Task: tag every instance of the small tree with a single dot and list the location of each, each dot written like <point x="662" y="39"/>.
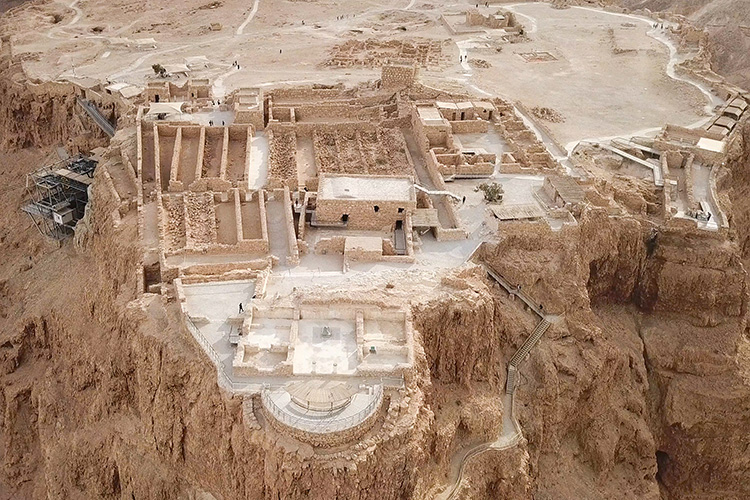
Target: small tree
<point x="493" y="191"/>
<point x="159" y="70"/>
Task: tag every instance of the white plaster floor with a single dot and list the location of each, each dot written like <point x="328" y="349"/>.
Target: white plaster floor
<point x="205" y="117"/>
<point x="218" y="302"/>
<point x="258" y="161"/>
<point x="314" y="353"/>
<point x="491" y="141"/>
<point x="265" y="332"/>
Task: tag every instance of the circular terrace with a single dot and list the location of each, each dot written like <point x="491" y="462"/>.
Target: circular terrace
<point x="319" y="408"/>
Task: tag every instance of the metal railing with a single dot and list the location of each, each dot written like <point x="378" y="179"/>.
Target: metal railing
<point x="515" y="290"/>
<point x="224" y="380"/>
<point x="93" y="111"/>
<point x="322" y="425"/>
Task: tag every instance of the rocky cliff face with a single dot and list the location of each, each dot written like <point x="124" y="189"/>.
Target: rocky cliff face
<point x="34" y="115"/>
<point x="646" y="384"/>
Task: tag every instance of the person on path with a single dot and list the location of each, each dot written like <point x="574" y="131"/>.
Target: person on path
<point x="242" y="310"/>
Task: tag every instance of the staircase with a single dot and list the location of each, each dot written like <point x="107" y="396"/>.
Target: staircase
<point x="530" y="342"/>
<point x="510" y="383"/>
<point x="96" y="115"/>
<point x="533" y="339"/>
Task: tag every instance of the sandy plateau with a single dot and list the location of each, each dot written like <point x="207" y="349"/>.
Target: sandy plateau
<point x="380" y="249"/>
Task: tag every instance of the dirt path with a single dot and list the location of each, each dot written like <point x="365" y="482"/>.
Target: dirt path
<point x="657" y="34"/>
<point x="250" y="17"/>
<point x="277" y="238"/>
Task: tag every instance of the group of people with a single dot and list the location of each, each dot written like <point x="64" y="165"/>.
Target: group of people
<point x="236" y="64"/>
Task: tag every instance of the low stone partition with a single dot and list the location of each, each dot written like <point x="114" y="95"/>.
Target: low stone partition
<point x="384" y="253"/>
<point x="476" y="126"/>
<point x="689" y="187"/>
<point x="243" y="368"/>
<point x="479" y="169"/>
<point x="188" y="224"/>
<point x="432" y="166"/>
<point x="289" y="220"/>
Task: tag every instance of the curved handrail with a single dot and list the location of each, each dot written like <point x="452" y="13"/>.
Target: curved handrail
<point x="322" y="425"/>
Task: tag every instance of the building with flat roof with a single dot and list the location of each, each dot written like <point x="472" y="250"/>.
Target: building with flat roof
<point x="364" y="202"/>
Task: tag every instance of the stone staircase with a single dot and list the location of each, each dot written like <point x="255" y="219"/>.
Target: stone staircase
<point x="522" y="352"/>
<point x="510" y="383"/>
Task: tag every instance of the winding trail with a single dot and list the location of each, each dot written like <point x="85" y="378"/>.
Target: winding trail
<point x="218" y="89"/>
<point x="55" y="29"/>
<point x="250" y="17"/>
<point x="563" y="155"/>
<point x="533" y="26"/>
<point x="661" y="36"/>
<point x="79" y="13"/>
<point x="511" y="433"/>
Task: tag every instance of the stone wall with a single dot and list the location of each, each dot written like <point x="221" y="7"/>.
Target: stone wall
<point x="329" y="439"/>
<point x="282" y="161"/>
<point x="397" y="76"/>
<point x="362" y="214"/>
<point x="469" y="126"/>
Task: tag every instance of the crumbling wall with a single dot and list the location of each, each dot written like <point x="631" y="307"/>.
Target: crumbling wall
<point x="397" y="77"/>
<point x="361" y="150"/>
<point x="282" y="161"/>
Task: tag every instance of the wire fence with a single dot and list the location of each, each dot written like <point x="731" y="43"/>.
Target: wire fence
<point x="322" y="424"/>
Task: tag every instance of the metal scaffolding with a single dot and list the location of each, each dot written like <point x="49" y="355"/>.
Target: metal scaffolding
<point x="58" y="194"/>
